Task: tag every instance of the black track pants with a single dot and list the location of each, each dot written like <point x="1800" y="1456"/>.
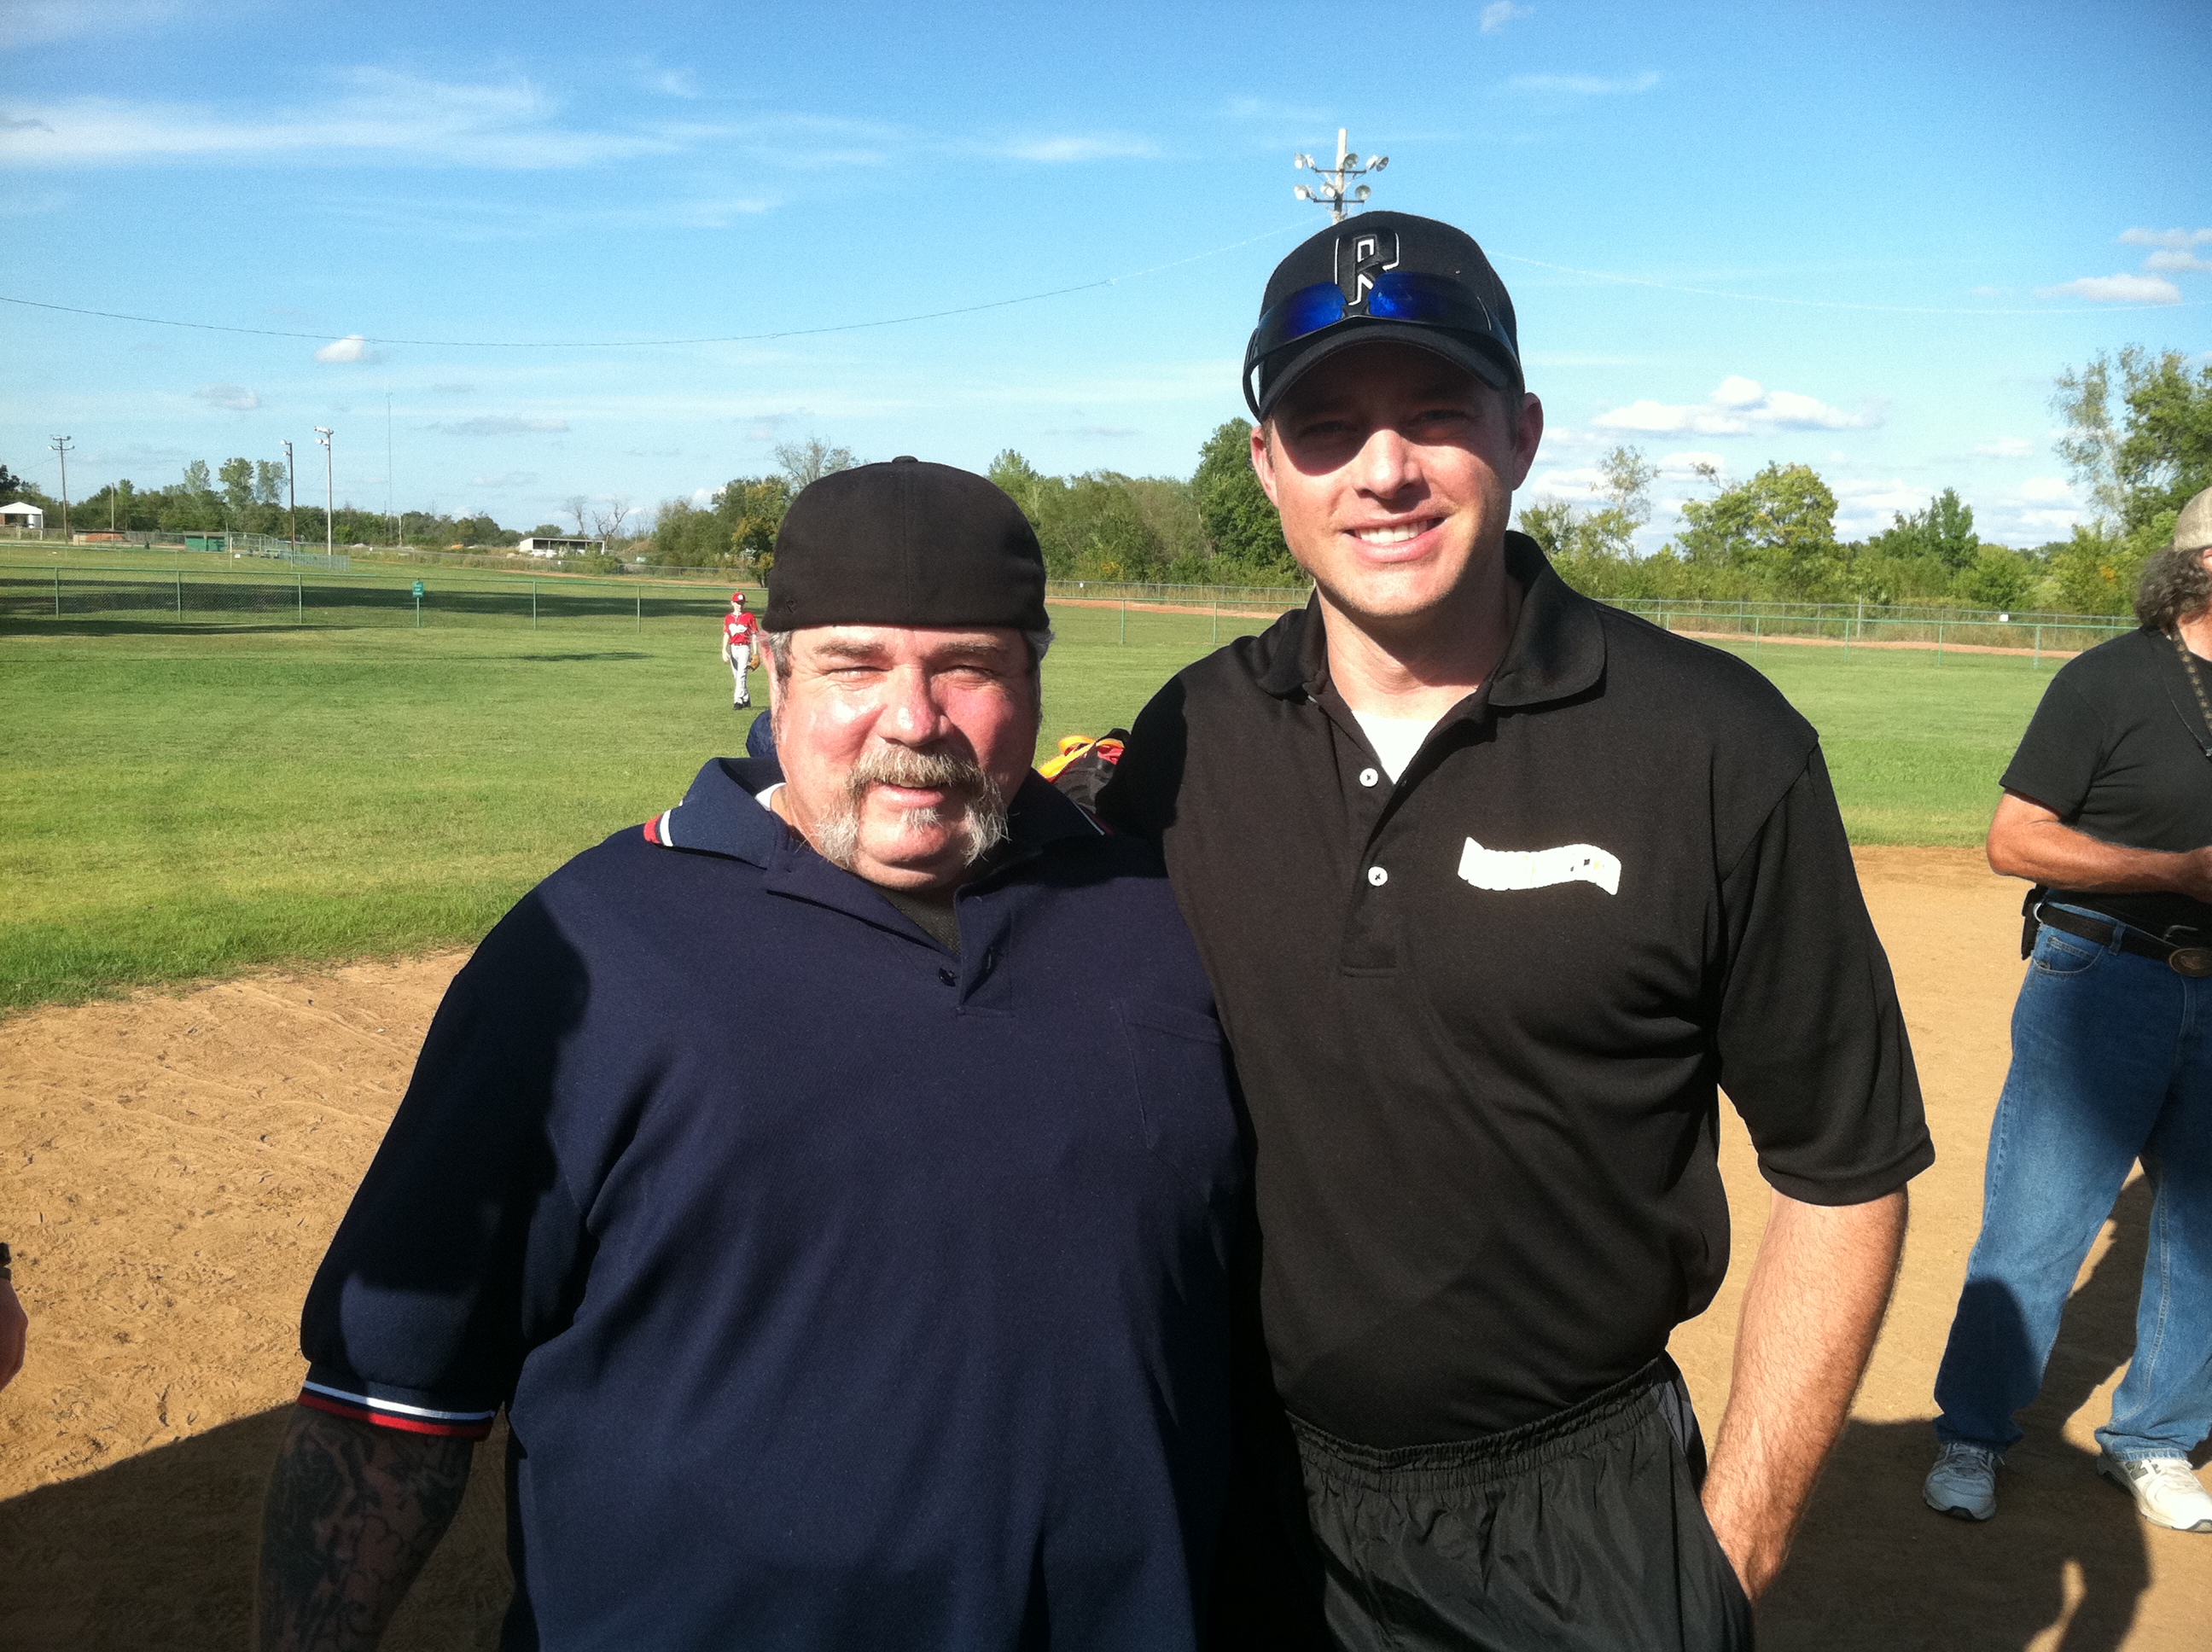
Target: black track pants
<point x="1581" y="1532"/>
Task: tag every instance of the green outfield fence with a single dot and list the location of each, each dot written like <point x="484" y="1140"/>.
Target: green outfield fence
<point x="287" y="595"/>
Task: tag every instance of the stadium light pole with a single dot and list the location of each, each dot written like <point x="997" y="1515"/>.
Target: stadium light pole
<point x="61" y="445"/>
<point x="389" y="493"/>
<point x="1332" y="193"/>
<point x="291" y="498"/>
<point x="323" y="434"/>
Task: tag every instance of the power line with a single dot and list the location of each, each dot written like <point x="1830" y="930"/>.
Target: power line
<point x="1837" y="304"/>
<point x="656" y="343"/>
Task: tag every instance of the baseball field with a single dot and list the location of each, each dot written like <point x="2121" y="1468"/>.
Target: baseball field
<point x="243" y="859"/>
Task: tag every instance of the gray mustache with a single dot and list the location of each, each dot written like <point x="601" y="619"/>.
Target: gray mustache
<point x="902" y="766"/>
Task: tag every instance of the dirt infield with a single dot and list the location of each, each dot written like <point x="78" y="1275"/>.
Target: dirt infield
<point x="171" y="1168"/>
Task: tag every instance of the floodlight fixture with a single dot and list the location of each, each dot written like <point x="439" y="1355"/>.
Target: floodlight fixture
<point x="1337" y="193"/>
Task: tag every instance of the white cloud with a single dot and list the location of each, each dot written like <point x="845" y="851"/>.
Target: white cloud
<point x="236" y="398"/>
<point x="377" y="114"/>
<point x="2044" y="490"/>
<point x="2174" y="262"/>
<point x="2005" y="447"/>
<point x="1499" y="13"/>
<point x="25" y="22"/>
<point x="497" y="426"/>
<point x="1737" y="407"/>
<point x="1585" y="86"/>
<point x="2172" y="238"/>
<point x="1682" y="466"/>
<point x="2115" y="289"/>
<point x="1269" y="109"/>
<point x="702" y="499"/>
<point x="454" y="389"/>
<point x="674" y="83"/>
<point x="1096" y="146"/>
<point x="1583" y="479"/>
<point x="1868" y="499"/>
<point x="352" y="348"/>
<point x="504" y="479"/>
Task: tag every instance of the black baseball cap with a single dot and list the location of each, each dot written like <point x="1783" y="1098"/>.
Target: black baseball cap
<point x="905" y="543"/>
<point x="1375" y="278"/>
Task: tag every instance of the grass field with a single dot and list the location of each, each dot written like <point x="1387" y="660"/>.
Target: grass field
<point x="181" y="803"/>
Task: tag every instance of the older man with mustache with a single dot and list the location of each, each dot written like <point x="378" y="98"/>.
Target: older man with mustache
<point x="910" y="1331"/>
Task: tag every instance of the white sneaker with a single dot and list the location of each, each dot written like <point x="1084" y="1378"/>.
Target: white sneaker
<point x="1963" y="1483"/>
<point x="2166" y="1491"/>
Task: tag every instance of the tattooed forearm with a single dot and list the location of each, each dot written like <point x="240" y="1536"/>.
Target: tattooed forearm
<point x="353" y="1512"/>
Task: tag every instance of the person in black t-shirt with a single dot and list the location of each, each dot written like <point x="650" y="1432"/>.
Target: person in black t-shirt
<point x="2107" y="807"/>
<point x="1496" y="886"/>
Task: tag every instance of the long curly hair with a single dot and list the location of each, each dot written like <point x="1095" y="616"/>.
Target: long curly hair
<point x="2175" y="587"/>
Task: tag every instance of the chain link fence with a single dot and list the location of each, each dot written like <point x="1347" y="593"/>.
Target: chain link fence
<point x="283" y="595"/>
<point x="1868" y="625"/>
<point x="139" y="598"/>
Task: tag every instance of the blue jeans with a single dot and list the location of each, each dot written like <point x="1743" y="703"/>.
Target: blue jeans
<point x="2111" y="1061"/>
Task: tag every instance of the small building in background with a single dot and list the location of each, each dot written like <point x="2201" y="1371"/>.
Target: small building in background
<point x="537" y="546"/>
<point x="23" y="514"/>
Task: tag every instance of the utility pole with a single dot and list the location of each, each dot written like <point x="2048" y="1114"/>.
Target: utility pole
<point x="388" y="490"/>
<point x="291" y="498"/>
<point x="62" y="445"/>
<point x="323" y="434"/>
<point x="1331" y="194"/>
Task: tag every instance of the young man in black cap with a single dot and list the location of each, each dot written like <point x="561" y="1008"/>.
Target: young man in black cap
<point x="910" y="1334"/>
<point x="1496" y="885"/>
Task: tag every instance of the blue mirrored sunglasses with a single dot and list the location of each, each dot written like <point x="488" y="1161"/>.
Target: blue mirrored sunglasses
<point x="1396" y="295"/>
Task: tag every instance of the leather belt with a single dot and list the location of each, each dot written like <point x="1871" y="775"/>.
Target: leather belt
<point x="2182" y="960"/>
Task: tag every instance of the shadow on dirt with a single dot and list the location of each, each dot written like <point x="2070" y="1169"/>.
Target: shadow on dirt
<point x="1874" y="1568"/>
<point x="157" y="1553"/>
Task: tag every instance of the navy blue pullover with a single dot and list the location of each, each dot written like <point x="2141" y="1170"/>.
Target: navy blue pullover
<point x="841" y="1292"/>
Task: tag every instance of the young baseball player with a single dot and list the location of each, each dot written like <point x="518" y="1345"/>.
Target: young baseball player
<point x="741" y="637"/>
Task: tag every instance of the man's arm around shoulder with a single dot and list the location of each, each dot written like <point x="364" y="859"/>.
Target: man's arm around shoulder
<point x="353" y="1512"/>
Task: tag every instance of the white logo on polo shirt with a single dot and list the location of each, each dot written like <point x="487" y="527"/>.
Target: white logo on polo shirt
<point x="1511" y="869"/>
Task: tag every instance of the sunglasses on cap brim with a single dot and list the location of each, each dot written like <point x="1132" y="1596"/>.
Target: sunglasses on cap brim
<point x="1397" y="296"/>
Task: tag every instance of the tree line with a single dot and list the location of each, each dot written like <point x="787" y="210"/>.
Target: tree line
<point x="2137" y="434"/>
<point x="1214" y="528"/>
<point x="244" y="496"/>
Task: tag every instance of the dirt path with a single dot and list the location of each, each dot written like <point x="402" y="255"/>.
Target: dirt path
<point x="171" y="1167"/>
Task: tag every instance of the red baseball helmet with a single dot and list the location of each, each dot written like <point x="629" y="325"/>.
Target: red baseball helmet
<point x="739" y="598"/>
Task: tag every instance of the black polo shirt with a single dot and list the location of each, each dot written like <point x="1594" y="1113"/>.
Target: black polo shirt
<point x="2119" y="749"/>
<point x="1480" y="1014"/>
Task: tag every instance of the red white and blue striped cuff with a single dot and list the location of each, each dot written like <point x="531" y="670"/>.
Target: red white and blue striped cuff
<point x="393" y="1413"/>
<point x="656" y="829"/>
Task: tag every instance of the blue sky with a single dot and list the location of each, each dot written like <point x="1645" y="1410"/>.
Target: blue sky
<point x="1861" y="236"/>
